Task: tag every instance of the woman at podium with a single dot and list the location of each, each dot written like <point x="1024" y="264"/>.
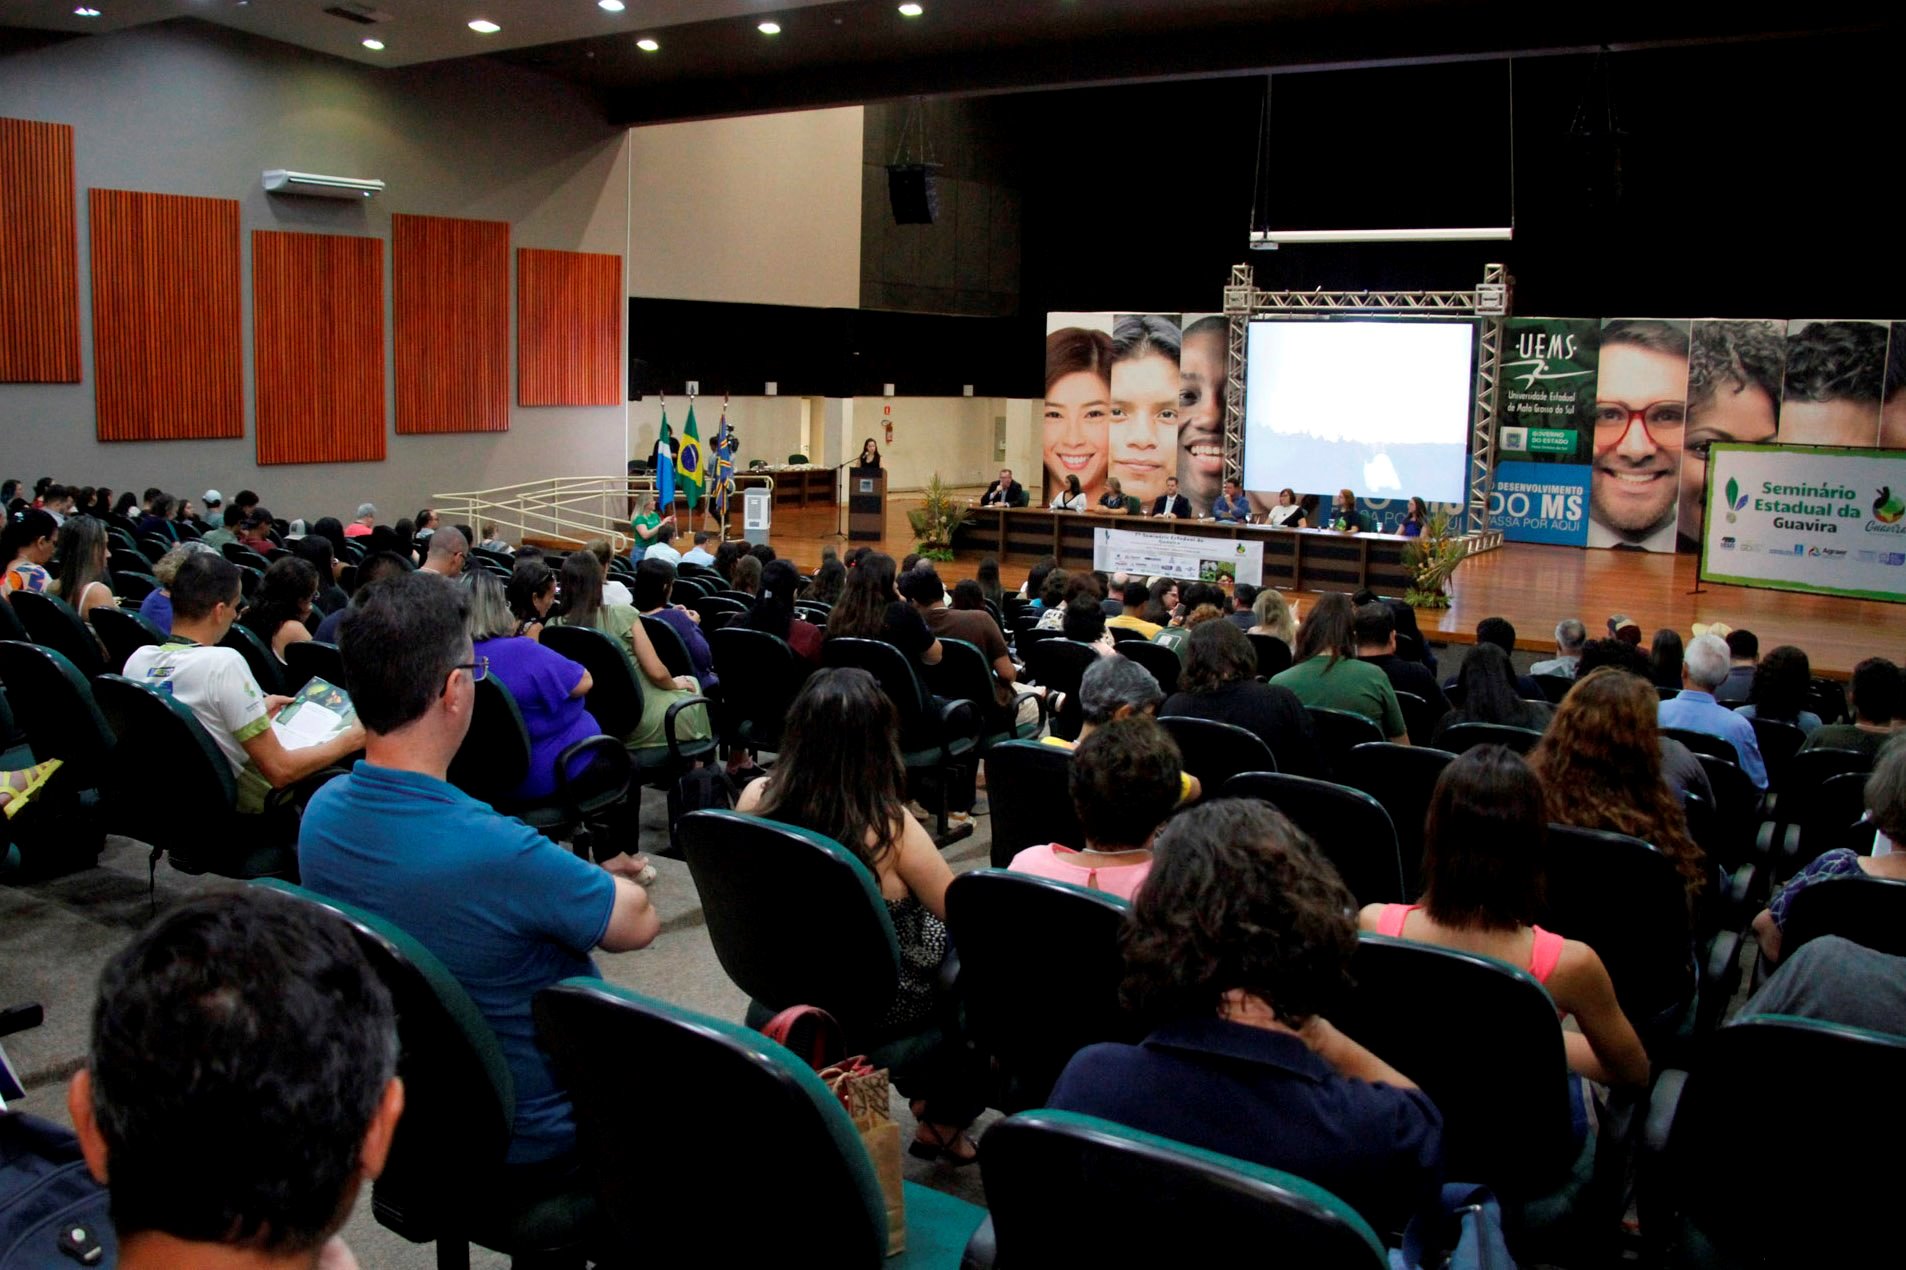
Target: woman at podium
<point x="869" y="457"/>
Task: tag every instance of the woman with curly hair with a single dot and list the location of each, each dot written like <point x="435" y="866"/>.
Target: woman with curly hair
<point x="1220" y="683"/>
<point x="1600" y="763"/>
<point x="1240" y="935"/>
<point x="1780" y="689"/>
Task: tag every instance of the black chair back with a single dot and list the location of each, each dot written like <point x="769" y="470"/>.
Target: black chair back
<point x="53" y="704"/>
<point x="10" y="626"/>
<point x="760" y="677"/>
<point x="1705" y="743"/>
<point x="963" y="674"/>
<point x="921" y="728"/>
<point x="669" y="646"/>
<point x="795" y="919"/>
<point x="1003" y="923"/>
<point x="1349" y="826"/>
<point x="51" y="623"/>
<point x="1554" y="687"/>
<point x="154" y="548"/>
<point x="1340" y="731"/>
<point x="1273" y="654"/>
<point x="133" y="587"/>
<point x="1503" y="1088"/>
<point x="1811" y="768"/>
<point x="1214" y="752"/>
<point x="259" y="659"/>
<point x="1458" y="737"/>
<point x="1828" y="816"/>
<point x="1027" y="791"/>
<point x="1736" y="811"/>
<point x="1126" y="635"/>
<point x="1060" y="664"/>
<point x="1419" y="718"/>
<point x="1827" y="698"/>
<point x="744" y="598"/>
<point x="313" y="659"/>
<point x="713" y="607"/>
<point x="615" y="695"/>
<point x="494" y="756"/>
<point x="1165" y="665"/>
<point x="1626" y="900"/>
<point x="1867" y="910"/>
<point x="1779" y="742"/>
<point x="239" y="554"/>
<point x="1403" y="778"/>
<point x="1218" y="1205"/>
<point x="124" y="632"/>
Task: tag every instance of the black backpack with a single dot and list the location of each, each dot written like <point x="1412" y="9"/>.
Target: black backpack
<point x="701" y="789"/>
<point x="53" y="1215"/>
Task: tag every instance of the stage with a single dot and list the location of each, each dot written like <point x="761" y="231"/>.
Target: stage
<point x="1533" y="586"/>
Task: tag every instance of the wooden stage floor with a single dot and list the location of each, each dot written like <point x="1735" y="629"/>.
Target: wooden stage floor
<point x="1534" y="587"/>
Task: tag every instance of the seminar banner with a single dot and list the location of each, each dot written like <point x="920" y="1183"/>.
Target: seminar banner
<point x="1182" y="556"/>
<point x="1827" y="520"/>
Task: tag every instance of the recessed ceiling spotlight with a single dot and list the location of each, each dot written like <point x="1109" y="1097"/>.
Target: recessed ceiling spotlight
<point x="648" y="45"/>
<point x="769" y="28"/>
<point x="912" y="10"/>
<point x="483" y="26"/>
<point x="613" y="6"/>
<point x="86" y="11"/>
<point x="375" y="46"/>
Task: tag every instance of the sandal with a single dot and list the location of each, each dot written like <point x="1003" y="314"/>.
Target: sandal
<point x="21" y="785"/>
<point x="943" y="1147"/>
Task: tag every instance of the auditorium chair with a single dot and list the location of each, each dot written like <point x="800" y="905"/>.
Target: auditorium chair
<point x="668" y="645"/>
<point x="1273" y="654"/>
<point x="716" y="611"/>
<point x="1728" y="1179"/>
<point x="154" y="548"/>
<point x="1026" y="637"/>
<point x="1805" y="772"/>
<point x="964" y="674"/>
<point x="1811" y="821"/>
<point x="51" y="623"/>
<point x="936" y="736"/>
<point x="1126" y="635"/>
<point x="133" y="586"/>
<point x="760" y="677"/>
<point x="1004" y="925"/>
<point x="1705" y="743"/>
<point x="124" y="632"/>
<point x="1349" y="826"/>
<point x="264" y="665"/>
<point x="797" y="919"/>
<point x="1403" y="778"/>
<point x="121" y="540"/>
<point x="53" y="705"/>
<point x="1554" y="687"/>
<point x="1459" y="738"/>
<point x="1340" y="731"/>
<point x="690" y="587"/>
<point x="797" y="458"/>
<point x="1482" y="1039"/>
<point x="312" y="659"/>
<point x="1060" y="665"/>
<point x="1155" y="1202"/>
<point x="799" y="1189"/>
<point x="494" y="757"/>
<point x="10" y="625"/>
<point x="743" y="598"/>
<point x="240" y="554"/>
<point x="1869" y="911"/>
<point x="446" y="1180"/>
<point x="1419" y="719"/>
<point x="1827" y="698"/>
<point x="1214" y="752"/>
<point x="615" y="701"/>
<point x="1026" y="787"/>
<point x="1626" y="900"/>
<point x="813" y="611"/>
<point x="1164" y="664"/>
<point x="1778" y="742"/>
<point x="1730" y="842"/>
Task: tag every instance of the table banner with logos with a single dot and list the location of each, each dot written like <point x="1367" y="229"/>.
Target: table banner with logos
<point x="1823" y="519"/>
<point x="1187" y="557"/>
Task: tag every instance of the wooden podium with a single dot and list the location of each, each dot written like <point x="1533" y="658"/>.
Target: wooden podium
<point x="866" y="504"/>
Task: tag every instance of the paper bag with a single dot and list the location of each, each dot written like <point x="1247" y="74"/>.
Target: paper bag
<point x="862" y="1090"/>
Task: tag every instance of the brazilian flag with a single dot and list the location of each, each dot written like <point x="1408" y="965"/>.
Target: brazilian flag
<point x="688" y="463"/>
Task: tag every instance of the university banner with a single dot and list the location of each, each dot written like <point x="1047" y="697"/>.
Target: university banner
<point x="1545" y="430"/>
<point x="1830" y="520"/>
<point x="1182" y="556"/>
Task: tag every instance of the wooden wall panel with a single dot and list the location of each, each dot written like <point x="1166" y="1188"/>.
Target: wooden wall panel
<point x="39" y="255"/>
<point x="451" y="307"/>
<point x="569" y="308"/>
<point x="318" y="347"/>
<point x="167" y="358"/>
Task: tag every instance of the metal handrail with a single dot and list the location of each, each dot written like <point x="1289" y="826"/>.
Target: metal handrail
<point x="567" y="509"/>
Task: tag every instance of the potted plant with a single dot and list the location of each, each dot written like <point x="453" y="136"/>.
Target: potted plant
<point x="935" y="520"/>
<point x="1432" y="558"/>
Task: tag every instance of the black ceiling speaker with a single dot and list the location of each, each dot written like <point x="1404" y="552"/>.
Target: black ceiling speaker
<point x="914" y="191"/>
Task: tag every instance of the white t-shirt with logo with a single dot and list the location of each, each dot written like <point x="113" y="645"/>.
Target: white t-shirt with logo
<point x="217" y="686"/>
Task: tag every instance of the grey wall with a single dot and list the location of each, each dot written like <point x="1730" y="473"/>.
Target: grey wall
<point x="187" y="108"/>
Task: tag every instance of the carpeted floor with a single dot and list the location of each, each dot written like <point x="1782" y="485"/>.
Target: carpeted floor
<point x="55" y="936"/>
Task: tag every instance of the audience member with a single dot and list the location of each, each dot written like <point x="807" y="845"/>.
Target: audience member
<point x="1625" y="628"/>
<point x="1501" y="632"/>
<point x="493" y="541"/>
<point x="829" y="581"/>
<point x="240" y="1085"/>
<point x="871" y="608"/>
<point x="29" y="542"/>
<point x="966" y="597"/>
<point x="1665" y="659"/>
<point x="1376" y="644"/>
<point x="1275" y="616"/>
<point x="1743" y="652"/>
<point x="1327" y="673"/>
<point x="747" y="575"/>
<point x="773" y="611"/>
<point x="157" y="606"/>
<point x="426" y="524"/>
<point x="654" y="596"/>
<point x="530" y="594"/>
<point x="1679" y="767"/>
<point x="317" y="551"/>
<point x="922" y="588"/>
<point x="83" y="581"/>
<point x="1060" y="589"/>
<point x="158" y="521"/>
<point x="1570" y="635"/>
<point x="583" y="606"/>
<point x="1875" y="697"/>
<point x="1486" y="693"/>
<point x="1243" y="614"/>
<point x="448" y="553"/>
<point x="1034" y="588"/>
<point x="1696" y="709"/>
<point x="506" y="910"/>
<point x="217" y="687"/>
<point x="374" y="569"/>
<point x="1780" y="690"/>
<point x="839" y="773"/>
<point x="1131" y="615"/>
<point x="1835" y="980"/>
<point x="277" y="613"/>
<point x="255" y="532"/>
<point x="1124" y="781"/>
<point x="1084" y="622"/>
<point x="698" y="554"/>
<point x="1600" y="764"/>
<point x="361" y="526"/>
<point x="1193" y="596"/>
<point x="1219" y="682"/>
<point x="726" y="555"/>
<point x="1482" y="881"/>
<point x="1240" y="935"/>
<point x="1886" y="812"/>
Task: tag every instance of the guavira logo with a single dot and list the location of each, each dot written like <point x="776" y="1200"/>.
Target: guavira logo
<point x="1888" y="507"/>
<point x="1735" y="499"/>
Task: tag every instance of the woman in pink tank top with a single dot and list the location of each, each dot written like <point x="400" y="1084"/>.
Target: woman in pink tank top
<point x="1481" y="879"/>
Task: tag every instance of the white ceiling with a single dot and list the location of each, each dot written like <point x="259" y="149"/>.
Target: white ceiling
<point x="418" y="30"/>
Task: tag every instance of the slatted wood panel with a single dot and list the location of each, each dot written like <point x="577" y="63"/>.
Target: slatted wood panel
<point x="318" y="347"/>
<point x="167" y="358"/>
<point x="39" y="255"/>
<point x="451" y="304"/>
<point x="569" y="307"/>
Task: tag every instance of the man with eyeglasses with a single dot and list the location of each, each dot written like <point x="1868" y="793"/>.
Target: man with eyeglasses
<point x="449" y="553"/>
<point x="1640" y="423"/>
<point x="506" y="910"/>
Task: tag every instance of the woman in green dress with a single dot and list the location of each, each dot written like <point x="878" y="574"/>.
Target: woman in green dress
<point x="649" y="526"/>
<point x="583" y="606"/>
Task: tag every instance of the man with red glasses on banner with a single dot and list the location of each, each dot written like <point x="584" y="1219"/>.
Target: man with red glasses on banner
<point x="1641" y="414"/>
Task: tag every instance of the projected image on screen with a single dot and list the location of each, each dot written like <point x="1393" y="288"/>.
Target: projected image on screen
<point x="1379" y="408"/>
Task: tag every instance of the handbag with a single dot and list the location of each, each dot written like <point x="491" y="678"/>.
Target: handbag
<point x="862" y="1090"/>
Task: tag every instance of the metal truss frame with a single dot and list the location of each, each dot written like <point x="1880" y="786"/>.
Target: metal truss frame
<point x="1488" y="301"/>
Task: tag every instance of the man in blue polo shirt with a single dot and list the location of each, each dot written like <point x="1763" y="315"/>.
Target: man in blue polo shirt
<point x="1695" y="709"/>
<point x="506" y="910"/>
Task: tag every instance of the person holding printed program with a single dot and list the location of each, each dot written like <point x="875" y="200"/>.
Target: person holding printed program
<point x="1070" y="497"/>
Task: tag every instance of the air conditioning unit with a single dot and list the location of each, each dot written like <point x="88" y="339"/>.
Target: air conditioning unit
<point x="313" y="185"/>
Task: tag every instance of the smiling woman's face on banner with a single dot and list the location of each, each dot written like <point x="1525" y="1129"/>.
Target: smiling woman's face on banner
<point x="1078" y="411"/>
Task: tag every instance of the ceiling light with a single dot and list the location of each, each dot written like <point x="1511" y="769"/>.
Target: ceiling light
<point x="613" y="6"/>
<point x="769" y="28"/>
<point x="912" y="10"/>
<point x="375" y="46"/>
<point x="648" y="45"/>
<point x="483" y="26"/>
<point x="86" y="11"/>
<point x="1270" y="239"/>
